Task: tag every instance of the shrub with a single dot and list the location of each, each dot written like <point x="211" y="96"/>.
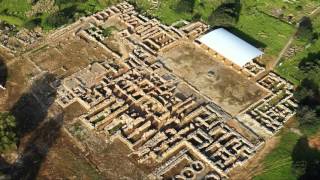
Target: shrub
<point x="8" y="136"/>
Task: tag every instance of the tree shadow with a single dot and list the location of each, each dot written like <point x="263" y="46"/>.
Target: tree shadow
<point x="3" y="73"/>
<point x="306" y="159"/>
<point x="33" y="105"/>
<point x="29" y="162"/>
<point x="185" y="6"/>
<point x="38" y="124"/>
<point x="226" y="15"/>
<point x="4" y="166"/>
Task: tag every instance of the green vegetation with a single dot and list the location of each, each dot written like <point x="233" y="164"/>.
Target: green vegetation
<point x="263" y="31"/>
<point x="171" y="11"/>
<point x="305" y="160"/>
<point x="227" y="14"/>
<point x="303" y="69"/>
<point x="308" y="113"/>
<point x="292" y="159"/>
<point x="291" y="68"/>
<point x="185" y="6"/>
<point x="305" y="30"/>
<point x="106" y="32"/>
<point x="115" y="128"/>
<point x="253" y="24"/>
<point x="283" y="9"/>
<point x="98" y="119"/>
<point x="15" y="12"/>
<point x="8" y="136"/>
<point x="277" y="164"/>
<point x="69" y="11"/>
<point x="78" y="131"/>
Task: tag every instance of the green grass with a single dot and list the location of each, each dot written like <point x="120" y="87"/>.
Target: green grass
<point x="12" y="20"/>
<point x="167" y="14"/>
<point x="277" y="164"/>
<point x="14" y="11"/>
<point x="254" y="26"/>
<point x="295" y="8"/>
<point x="265" y="29"/>
<point x="288" y="68"/>
<point x="311" y="130"/>
<point x="15" y="7"/>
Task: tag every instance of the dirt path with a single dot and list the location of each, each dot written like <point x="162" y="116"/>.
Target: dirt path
<point x="283" y="51"/>
<point x="287" y="46"/>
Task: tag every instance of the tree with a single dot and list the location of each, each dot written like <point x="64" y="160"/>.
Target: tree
<point x="305" y="30"/>
<point x="226" y="15"/>
<point x="299" y="168"/>
<point x="307" y="116"/>
<point x="8" y="136"/>
<point x="307" y="95"/>
<point x="311" y="63"/>
<point x="305" y="159"/>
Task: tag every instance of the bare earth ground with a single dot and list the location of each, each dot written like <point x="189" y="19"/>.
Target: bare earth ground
<point x="61" y="156"/>
<point x="243" y="131"/>
<point x="64" y="161"/>
<point x="110" y="159"/>
<point x="73" y="54"/>
<point x="227" y="88"/>
<point x="20" y="72"/>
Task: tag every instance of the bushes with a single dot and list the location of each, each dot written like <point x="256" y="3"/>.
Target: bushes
<point x="31" y="24"/>
<point x="308" y="113"/>
<point x="61" y="17"/>
<point x="8" y="136"/>
<point x="305" y="30"/>
<point x="108" y="31"/>
<point x="305" y="160"/>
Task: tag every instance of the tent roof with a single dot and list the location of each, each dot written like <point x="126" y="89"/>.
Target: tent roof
<point x="230" y="46"/>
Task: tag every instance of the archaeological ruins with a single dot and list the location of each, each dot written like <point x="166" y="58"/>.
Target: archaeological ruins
<point x="170" y="123"/>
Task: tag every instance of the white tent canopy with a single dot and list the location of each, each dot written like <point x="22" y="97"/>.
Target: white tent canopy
<point x="230" y="46"/>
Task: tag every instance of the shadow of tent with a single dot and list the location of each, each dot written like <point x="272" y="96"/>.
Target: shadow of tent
<point x="246" y="37"/>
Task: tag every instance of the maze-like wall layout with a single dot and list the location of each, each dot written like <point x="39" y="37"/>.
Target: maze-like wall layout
<point x="166" y="123"/>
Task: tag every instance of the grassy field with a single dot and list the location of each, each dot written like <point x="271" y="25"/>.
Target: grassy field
<point x="270" y="32"/>
<point x="288" y="68"/>
<point x="15" y="12"/>
<point x="167" y="13"/>
<point x="297" y="9"/>
<point x="254" y="25"/>
<point x="278" y="163"/>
